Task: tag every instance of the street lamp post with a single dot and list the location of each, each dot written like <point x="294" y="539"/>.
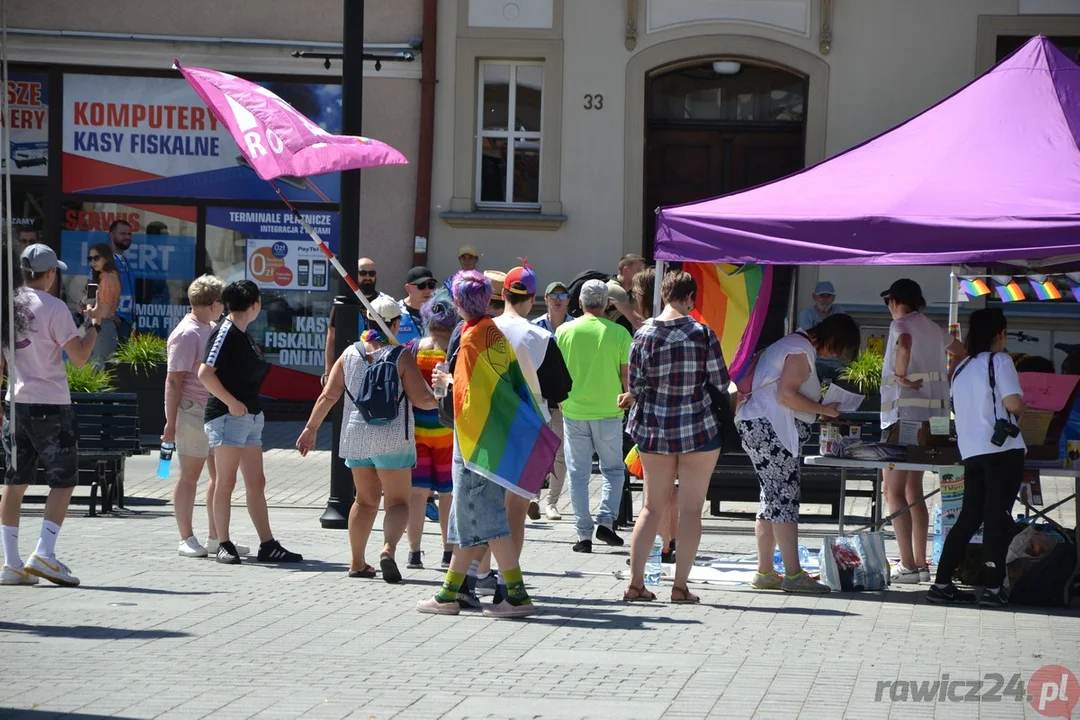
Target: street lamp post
<point x="346" y="305"/>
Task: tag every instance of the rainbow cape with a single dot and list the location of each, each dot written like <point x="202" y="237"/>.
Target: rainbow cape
<point x="733" y="301"/>
<point x="501" y="432"/>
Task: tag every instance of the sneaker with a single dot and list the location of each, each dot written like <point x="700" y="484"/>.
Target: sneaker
<point x="924" y="574"/>
<point x="52" y="570"/>
<point x="212" y="547"/>
<point x="803" y="583"/>
<point x="607" y="535"/>
<point x="506" y="609"/>
<point x="767" y="581"/>
<point x="226" y="554"/>
<point x="948" y="595"/>
<point x="447" y="555"/>
<point x="583" y="546"/>
<point x="17" y="576"/>
<point x="192" y="549"/>
<point x="414" y="562"/>
<point x="999" y="599"/>
<point x="431" y="606"/>
<point x="431" y="511"/>
<point x="272" y="552"/>
<point x="534" y="510"/>
<point x="486" y="585"/>
<point x="552" y="513"/>
<point x="468" y="601"/>
<point x="903" y="576"/>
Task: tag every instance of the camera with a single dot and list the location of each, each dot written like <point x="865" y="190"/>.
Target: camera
<point x="1003" y="430"/>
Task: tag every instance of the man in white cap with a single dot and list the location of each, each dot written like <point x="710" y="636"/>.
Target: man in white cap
<point x="44" y="431"/>
<point x="823" y="307"/>
<point x="467" y="258"/>
<point x="597" y="353"/>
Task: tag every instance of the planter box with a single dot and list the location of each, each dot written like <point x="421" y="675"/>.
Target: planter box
<point x="151" y="391"/>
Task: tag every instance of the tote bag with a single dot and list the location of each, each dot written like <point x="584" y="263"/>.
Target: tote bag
<point x="852" y="563"/>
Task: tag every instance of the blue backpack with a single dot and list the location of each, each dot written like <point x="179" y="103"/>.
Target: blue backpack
<point x="379" y="396"/>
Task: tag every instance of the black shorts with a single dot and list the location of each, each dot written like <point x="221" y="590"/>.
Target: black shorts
<point x="45" y="435"/>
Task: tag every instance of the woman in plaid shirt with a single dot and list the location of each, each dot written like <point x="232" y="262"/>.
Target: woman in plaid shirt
<point x="672" y="359"/>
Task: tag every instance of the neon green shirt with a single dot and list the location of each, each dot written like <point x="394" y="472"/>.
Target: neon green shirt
<point x="595" y="350"/>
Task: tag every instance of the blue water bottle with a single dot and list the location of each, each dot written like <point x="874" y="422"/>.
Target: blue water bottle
<point x="165" y="460"/>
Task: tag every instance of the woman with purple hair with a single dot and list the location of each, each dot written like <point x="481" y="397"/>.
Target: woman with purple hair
<point x="481" y="522"/>
<point x="434" y="443"/>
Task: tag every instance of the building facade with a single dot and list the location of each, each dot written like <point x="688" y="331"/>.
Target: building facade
<point x="563" y="125"/>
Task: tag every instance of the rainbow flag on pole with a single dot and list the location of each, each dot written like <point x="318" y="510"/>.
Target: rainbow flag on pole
<point x="974" y="287"/>
<point x="1045" y="290"/>
<point x="1010" y="292"/>
<point x="500" y="430"/>
<point x="733" y="301"/>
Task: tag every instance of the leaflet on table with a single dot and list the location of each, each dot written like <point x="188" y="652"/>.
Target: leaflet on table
<point x="848" y="401"/>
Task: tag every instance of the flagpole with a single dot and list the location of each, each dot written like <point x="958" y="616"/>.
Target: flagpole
<point x="9" y="236"/>
<point x="657" y="300"/>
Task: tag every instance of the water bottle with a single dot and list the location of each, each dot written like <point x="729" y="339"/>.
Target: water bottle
<point x="165" y="460"/>
<point x="653" y="568"/>
<point x="804" y="556"/>
<point x="778" y="561"/>
<point x="440" y="392"/>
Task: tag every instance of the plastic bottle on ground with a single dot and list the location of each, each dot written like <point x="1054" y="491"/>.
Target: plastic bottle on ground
<point x="653" y="566"/>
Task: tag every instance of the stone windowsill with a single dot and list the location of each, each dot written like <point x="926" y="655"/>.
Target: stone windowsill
<point x="494" y="219"/>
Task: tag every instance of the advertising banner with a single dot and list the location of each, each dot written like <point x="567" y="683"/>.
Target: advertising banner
<point x="155" y="253"/>
<point x="28" y="120"/>
<point x="155" y="137"/>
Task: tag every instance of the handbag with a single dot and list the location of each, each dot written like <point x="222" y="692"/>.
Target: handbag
<point x="853" y="563"/>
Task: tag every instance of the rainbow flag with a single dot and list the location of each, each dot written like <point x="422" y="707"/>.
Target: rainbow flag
<point x="1010" y="292"/>
<point x="974" y="287"/>
<point x="1045" y="290"/>
<point x="733" y="301"/>
<point x="1075" y="287"/>
<point x="501" y="432"/>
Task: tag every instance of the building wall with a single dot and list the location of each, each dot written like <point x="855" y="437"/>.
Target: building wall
<point x="888" y="61"/>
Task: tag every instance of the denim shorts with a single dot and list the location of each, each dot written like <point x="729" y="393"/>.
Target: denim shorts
<point x="478" y="512"/>
<point x="230" y="431"/>
<point x="397" y="460"/>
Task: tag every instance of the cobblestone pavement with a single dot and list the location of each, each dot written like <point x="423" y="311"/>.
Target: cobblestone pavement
<point x="150" y="634"/>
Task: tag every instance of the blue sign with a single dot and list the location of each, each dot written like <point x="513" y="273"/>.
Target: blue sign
<point x="276" y="225"/>
<point x="150" y="257"/>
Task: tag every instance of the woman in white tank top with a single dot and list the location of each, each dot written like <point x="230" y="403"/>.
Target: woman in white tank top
<point x="914" y="387"/>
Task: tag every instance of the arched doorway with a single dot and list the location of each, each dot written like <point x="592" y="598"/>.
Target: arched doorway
<point x="716" y="125"/>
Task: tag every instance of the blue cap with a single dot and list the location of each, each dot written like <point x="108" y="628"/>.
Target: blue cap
<point x="824" y="288"/>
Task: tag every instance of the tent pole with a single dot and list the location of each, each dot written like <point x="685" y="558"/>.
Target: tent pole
<point x="789" y="321"/>
<point x="954" y="297"/>
<point x="657" y="303"/>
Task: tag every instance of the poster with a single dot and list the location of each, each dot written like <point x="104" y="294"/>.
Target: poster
<point x="287" y="265"/>
<point x="154" y="137"/>
<point x="156" y="253"/>
<point x="28" y="120"/>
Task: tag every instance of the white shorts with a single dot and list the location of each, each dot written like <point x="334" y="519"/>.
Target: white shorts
<point x="191" y="440"/>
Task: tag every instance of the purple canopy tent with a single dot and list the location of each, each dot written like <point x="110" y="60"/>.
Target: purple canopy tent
<point x="989" y="175"/>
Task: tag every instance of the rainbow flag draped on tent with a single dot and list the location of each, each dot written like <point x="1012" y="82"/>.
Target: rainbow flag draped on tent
<point x="733" y="300"/>
<point x="500" y="430"/>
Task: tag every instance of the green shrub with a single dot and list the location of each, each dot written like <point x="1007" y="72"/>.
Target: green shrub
<point x="865" y="372"/>
<point x="89" y="378"/>
<point x="143" y="352"/>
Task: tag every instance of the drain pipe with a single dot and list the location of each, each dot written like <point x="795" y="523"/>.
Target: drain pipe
<point x="424" y="162"/>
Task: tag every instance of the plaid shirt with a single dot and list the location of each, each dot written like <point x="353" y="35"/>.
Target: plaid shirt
<point x="670" y="363"/>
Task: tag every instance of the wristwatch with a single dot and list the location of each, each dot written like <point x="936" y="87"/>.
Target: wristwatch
<point x="95" y="326"/>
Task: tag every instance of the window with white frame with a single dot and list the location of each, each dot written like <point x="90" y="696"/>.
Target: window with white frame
<point x="509" y="135"/>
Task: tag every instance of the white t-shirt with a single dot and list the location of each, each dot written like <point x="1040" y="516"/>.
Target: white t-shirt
<point x="929" y="343"/>
<point x="763" y="402"/>
<point x="530" y="343"/>
<point x="41" y="378"/>
<point x="973" y="408"/>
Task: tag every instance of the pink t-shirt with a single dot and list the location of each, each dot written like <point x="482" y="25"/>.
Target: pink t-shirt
<point x="187" y="347"/>
<point x="39" y="361"/>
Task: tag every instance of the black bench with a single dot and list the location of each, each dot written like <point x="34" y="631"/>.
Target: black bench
<point x="108" y="427"/>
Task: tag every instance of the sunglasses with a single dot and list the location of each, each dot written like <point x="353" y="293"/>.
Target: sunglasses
<point x="559" y="296"/>
<point x="426" y="285"/>
<point x="367" y="273"/>
<point x="93" y="258"/>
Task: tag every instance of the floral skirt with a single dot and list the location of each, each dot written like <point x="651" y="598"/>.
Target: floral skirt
<point x="778" y="471"/>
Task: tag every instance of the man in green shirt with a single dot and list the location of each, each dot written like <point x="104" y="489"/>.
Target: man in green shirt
<point x="597" y="352"/>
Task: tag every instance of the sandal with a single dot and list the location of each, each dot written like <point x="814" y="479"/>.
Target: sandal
<point x="640" y="594"/>
<point x="686" y="599"/>
<point x="367" y="573"/>
<point x="390" y="572"/>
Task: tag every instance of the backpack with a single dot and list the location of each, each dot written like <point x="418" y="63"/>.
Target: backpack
<point x="1044" y="584"/>
<point x="380" y="395"/>
<point x="573" y="307"/>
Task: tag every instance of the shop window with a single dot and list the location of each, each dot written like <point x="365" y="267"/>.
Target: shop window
<point x="509" y="135"/>
<point x="160" y="259"/>
<point x="269" y="248"/>
<point x="728" y="91"/>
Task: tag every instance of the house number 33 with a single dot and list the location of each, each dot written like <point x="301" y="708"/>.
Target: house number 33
<point x="594" y="102"/>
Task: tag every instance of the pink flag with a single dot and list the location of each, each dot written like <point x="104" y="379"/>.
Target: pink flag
<point x="276" y="139"/>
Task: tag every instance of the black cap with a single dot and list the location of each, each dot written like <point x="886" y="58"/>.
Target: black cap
<point x="906" y="292"/>
<point x="418" y="275"/>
